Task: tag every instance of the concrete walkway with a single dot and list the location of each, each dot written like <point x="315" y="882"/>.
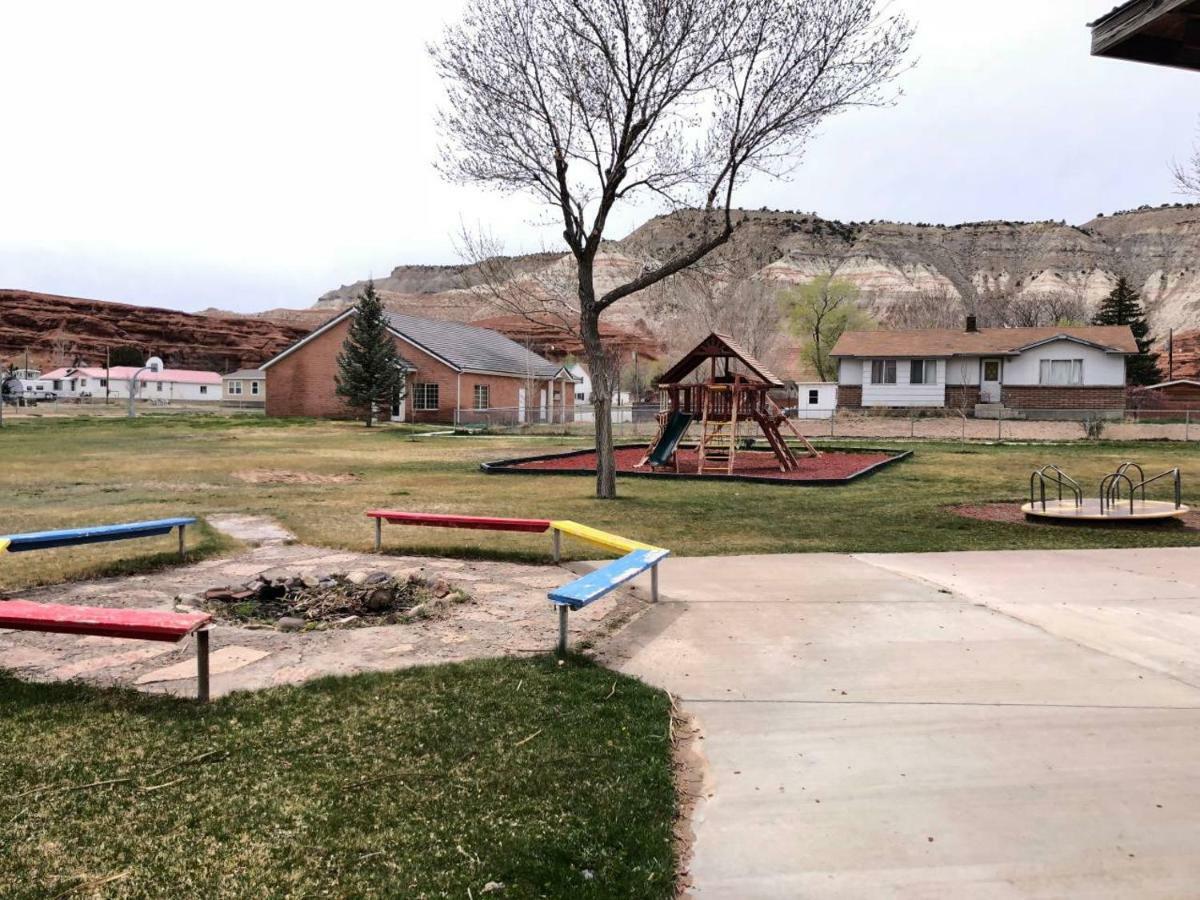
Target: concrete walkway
<point x="937" y="725"/>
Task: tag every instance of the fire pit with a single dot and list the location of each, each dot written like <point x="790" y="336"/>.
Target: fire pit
<point x="294" y="602"/>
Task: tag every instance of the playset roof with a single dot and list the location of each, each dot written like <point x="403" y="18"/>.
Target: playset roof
<point x="718" y="346"/>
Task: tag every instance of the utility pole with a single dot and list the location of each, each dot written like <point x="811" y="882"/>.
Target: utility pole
<point x="1171" y="354"/>
<point x="107" y="372"/>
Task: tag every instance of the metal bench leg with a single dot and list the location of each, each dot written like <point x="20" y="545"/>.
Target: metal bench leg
<point x="202" y="665"/>
<point x="378" y="535"/>
<point x="563" y="612"/>
<point x="654" y="583"/>
<point x="557" y="546"/>
<point x="182" y="542"/>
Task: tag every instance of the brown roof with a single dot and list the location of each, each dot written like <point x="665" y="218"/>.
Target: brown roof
<point x="718" y="346"/>
<point x="547" y="335"/>
<point x="934" y="342"/>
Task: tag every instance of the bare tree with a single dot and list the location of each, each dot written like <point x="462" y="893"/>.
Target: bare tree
<point x="934" y="308"/>
<point x="591" y="104"/>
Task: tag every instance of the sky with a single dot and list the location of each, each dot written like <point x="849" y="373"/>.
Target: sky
<point x="247" y="156"/>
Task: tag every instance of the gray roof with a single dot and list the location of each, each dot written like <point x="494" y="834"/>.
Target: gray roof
<point x="471" y="349"/>
<point x="246" y="374"/>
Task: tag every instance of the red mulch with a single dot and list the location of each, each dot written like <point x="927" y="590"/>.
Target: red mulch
<point x="751" y="464"/>
<point x="1010" y="514"/>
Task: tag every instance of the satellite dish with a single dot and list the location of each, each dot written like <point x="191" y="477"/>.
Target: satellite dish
<point x="154" y="364"/>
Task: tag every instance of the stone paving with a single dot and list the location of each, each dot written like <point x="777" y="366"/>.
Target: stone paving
<point x="508" y="614"/>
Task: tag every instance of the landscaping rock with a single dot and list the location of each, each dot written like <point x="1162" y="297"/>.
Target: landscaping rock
<point x="357" y="578"/>
<point x="440" y="588"/>
<point x="290" y="623"/>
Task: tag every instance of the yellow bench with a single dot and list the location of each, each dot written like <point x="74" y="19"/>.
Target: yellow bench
<point x="595" y="536"/>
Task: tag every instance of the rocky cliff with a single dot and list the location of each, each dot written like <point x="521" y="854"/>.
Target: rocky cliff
<point x="60" y="330"/>
<point x="975" y="265"/>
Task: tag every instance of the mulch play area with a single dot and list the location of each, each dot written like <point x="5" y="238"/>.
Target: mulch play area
<point x="832" y="467"/>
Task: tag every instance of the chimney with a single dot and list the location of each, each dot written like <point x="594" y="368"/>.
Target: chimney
<point x="972" y="325"/>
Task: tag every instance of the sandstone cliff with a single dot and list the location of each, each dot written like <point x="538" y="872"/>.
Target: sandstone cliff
<point x="58" y="330"/>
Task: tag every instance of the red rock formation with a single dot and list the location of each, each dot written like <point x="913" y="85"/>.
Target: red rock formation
<point x="60" y="330"/>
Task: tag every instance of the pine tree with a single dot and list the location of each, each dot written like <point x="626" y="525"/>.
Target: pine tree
<point x="370" y="372"/>
<point x="1124" y="307"/>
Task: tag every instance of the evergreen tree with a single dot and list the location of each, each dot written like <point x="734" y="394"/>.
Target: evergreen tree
<point x="369" y="368"/>
<point x="1124" y="307"/>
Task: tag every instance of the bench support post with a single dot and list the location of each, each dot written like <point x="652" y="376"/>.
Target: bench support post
<point x="654" y="583"/>
<point x="202" y="665"/>
<point x="182" y="542"/>
<point x="557" y="546"/>
<point x="563" y="612"/>
<point x="378" y="535"/>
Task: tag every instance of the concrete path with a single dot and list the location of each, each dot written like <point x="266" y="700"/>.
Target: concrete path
<point x="987" y="725"/>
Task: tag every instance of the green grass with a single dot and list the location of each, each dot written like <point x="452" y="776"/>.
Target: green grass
<point x="554" y="780"/>
<point x="71" y="472"/>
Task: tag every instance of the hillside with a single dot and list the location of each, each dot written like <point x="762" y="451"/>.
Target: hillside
<point x="58" y="330"/>
<point x="975" y="264"/>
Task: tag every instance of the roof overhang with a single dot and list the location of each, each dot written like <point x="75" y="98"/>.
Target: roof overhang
<point x="1160" y="32"/>
<point x="1066" y="337"/>
<point x="1191" y="382"/>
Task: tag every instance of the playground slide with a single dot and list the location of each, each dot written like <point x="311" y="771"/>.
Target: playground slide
<point x="676" y="428"/>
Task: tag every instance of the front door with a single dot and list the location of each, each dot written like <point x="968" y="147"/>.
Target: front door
<point x="989" y="381"/>
<point x="397" y="407"/>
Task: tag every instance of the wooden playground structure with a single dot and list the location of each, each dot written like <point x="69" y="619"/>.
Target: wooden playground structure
<point x="736" y="391"/>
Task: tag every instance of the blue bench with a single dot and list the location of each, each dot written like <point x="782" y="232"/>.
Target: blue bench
<point x="71" y="537"/>
<point x="591" y="587"/>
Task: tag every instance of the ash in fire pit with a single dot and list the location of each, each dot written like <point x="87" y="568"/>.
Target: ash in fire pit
<point x="294" y="602"/>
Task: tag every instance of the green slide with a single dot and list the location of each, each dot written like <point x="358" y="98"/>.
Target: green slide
<point x="676" y="428"/>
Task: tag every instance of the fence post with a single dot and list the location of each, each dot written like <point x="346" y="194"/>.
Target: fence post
<point x="1000" y="423"/>
<point x="1187" y="425"/>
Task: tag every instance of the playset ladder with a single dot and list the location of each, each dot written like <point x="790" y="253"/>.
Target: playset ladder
<point x="718" y="436"/>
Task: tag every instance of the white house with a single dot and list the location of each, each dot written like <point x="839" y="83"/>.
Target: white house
<point x="622" y="400"/>
<point x="1057" y="371"/>
<point x="165" y="385"/>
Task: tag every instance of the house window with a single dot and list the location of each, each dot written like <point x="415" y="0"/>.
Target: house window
<point x="203" y="388"/>
<point x="580" y="396"/>
<point x="883" y="371"/>
<point x="425" y="396"/>
<point x="991" y="370"/>
<point x="83" y="382"/>
<point x="814" y="397"/>
<point x="1058" y="372"/>
<point x="922" y="371"/>
<point x="58" y="385"/>
<point x="483" y="396"/>
<point x="158" y="387"/>
<point x="254" y="385"/>
<point x="103" y="382"/>
<point x="235" y="388"/>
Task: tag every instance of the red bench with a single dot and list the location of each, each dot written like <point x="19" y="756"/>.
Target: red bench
<point x="438" y="520"/>
<point x="136" y="624"/>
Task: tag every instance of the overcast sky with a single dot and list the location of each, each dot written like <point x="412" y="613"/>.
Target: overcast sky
<point x="251" y="155"/>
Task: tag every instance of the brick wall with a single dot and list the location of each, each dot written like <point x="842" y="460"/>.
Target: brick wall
<point x="959" y="396"/>
<point x="302" y="384"/>
<point x="849" y="396"/>
<point x="1046" y="397"/>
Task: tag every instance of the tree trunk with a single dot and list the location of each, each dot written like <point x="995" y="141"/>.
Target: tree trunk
<point x="602" y="371"/>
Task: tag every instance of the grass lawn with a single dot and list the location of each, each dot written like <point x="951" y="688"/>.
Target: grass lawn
<point x="554" y="780"/>
<point x="71" y="472"/>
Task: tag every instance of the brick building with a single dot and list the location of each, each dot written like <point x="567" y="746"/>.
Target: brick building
<point x="455" y="374"/>
<point x="1057" y="372"/>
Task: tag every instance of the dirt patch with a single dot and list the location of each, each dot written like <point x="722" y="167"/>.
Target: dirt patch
<point x="294" y="602"/>
<point x="1010" y="514"/>
<point x="747" y="464"/>
<point x="693" y="786"/>
<point x="283" y="476"/>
